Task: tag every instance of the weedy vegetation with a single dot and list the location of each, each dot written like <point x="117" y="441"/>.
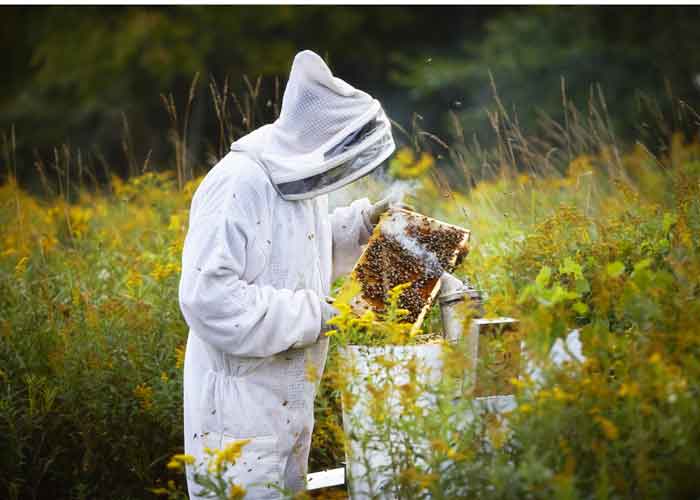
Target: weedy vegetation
<point x="570" y="230"/>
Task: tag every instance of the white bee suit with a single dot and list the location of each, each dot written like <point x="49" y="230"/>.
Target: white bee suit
<point x="256" y="269"/>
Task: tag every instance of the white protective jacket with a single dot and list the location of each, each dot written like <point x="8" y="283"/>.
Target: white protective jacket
<point x="256" y="269"/>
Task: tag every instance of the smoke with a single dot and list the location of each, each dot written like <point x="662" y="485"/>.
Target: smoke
<point x="397" y="191"/>
<point x="378" y="185"/>
<point x="395" y="227"/>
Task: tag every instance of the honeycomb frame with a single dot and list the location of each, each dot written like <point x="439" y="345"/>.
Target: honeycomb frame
<point x="407" y="246"/>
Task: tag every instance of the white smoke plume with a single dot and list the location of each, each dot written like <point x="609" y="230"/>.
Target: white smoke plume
<point x="395" y="227"/>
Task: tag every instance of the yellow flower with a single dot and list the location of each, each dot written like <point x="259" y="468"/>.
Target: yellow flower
<point x="175" y="223"/>
<point x="525" y="408"/>
<point x="581" y="165"/>
<point x="133" y="280"/>
<point x="164" y="377"/>
<point x="144" y="394"/>
<point x="519" y="383"/>
<point x="544" y="395"/>
<point x="161" y="272"/>
<point x="453" y="454"/>
<point x="178" y="461"/>
<point x="228" y="455"/>
<point x="179" y="357"/>
<point x="236" y="492"/>
<point x="655" y="358"/>
<point x="608" y="427"/>
<point x="79" y="218"/>
<point x="415" y="477"/>
<point x="385" y="362"/>
<point x="21" y="266"/>
<point x="523" y="179"/>
<point x="631" y="390"/>
<point x="311" y="372"/>
<point x="406" y="166"/>
<point x="47" y="243"/>
<point x="8" y="252"/>
<point x="190" y="187"/>
<point x="560" y="395"/>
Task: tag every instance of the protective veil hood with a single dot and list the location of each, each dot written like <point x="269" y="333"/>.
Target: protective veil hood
<point x="328" y="133"/>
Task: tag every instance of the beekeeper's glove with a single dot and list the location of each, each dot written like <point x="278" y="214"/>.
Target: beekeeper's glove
<point x="375" y="211"/>
<point x="328" y="311"/>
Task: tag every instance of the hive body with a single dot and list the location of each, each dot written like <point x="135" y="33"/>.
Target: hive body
<point x="495" y="346"/>
<point x="408" y="247"/>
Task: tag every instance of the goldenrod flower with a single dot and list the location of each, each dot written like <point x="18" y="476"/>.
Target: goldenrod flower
<point x="176" y="223"/>
<point x="525" y="408"/>
<point x="228" y="455"/>
<point x="581" y="165"/>
<point x="21" y="266"/>
<point x="179" y="460"/>
<point x="311" y="372"/>
<point x="133" y="280"/>
<point x="179" y="357"/>
<point x="145" y="396"/>
<point x="608" y="427"/>
<point x="163" y="271"/>
<point x="405" y="165"/>
<point x="631" y="390"/>
<point x="236" y="492"/>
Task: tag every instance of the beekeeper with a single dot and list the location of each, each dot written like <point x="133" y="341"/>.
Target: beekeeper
<point x="259" y="258"/>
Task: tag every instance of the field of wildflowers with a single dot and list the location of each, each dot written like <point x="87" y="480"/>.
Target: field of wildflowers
<point x="611" y="251"/>
<point x="605" y="241"/>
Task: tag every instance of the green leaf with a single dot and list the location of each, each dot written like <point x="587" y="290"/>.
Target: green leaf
<point x="580" y="308"/>
<point x="582" y="286"/>
<point x="669" y="220"/>
<point x="570" y="266"/>
<point x="544" y="276"/>
<point x="560" y="294"/>
<point x="615" y="269"/>
<point x="642" y="264"/>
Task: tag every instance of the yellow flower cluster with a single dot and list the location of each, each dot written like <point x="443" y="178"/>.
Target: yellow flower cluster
<point x="179" y="357"/>
<point x="609" y="429"/>
<point x="179" y="461"/>
<point x="219" y="459"/>
<point x="369" y="328"/>
<point x="79" y="217"/>
<point x="236" y="492"/>
<point x="144" y="394"/>
<point x="134" y="280"/>
<point x="161" y="272"/>
<point x="408" y="165"/>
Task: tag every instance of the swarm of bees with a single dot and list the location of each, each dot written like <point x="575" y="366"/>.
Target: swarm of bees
<point x="425" y="249"/>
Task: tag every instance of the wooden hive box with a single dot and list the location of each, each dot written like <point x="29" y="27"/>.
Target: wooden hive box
<point x="406" y="246"/>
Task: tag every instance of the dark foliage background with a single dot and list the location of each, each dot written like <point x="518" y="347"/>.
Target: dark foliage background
<point x="80" y="75"/>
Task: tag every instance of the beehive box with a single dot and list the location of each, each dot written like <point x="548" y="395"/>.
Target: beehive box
<point x="495" y="346"/>
<point x="408" y="247"/>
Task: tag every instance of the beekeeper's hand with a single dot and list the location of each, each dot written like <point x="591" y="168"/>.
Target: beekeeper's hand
<point x="376" y="210"/>
<point x="328" y="311"/>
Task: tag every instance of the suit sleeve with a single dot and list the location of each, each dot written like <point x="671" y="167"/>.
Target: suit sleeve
<point x="350" y="232"/>
<point x="223" y="309"/>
